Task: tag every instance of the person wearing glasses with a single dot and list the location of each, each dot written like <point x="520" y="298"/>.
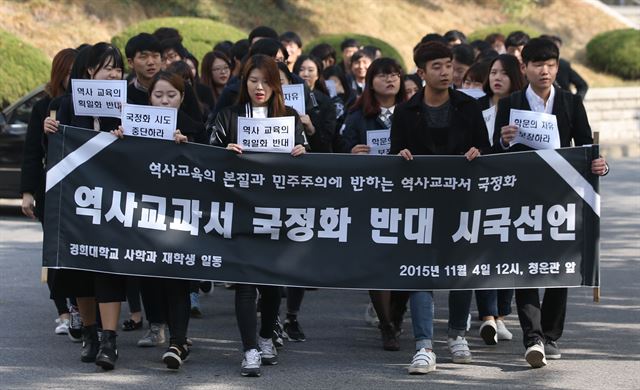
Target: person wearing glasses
<point x="215" y="72"/>
<point x="373" y="110"/>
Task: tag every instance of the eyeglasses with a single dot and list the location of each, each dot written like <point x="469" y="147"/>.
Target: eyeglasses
<point x="388" y="76"/>
<point x="223" y="69"/>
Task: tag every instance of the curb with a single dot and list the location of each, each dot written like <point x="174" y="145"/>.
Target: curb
<point x="615" y="151"/>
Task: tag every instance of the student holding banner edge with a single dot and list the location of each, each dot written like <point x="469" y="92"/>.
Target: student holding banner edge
<point x="543" y="323"/>
<point x="260" y="97"/>
<point x="107" y="290"/>
<point x="374" y="109"/>
<point x="32" y="183"/>
<point x="168" y="90"/>
<point x="438" y="121"/>
<point x="504" y="78"/>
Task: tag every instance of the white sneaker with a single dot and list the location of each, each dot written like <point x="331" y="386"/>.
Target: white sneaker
<point x="423" y="362"/>
<point x="488" y="332"/>
<point x="460" y="352"/>
<point x="535" y="355"/>
<point x="370" y="315"/>
<point x="63" y="326"/>
<point x="503" y="332"/>
<point x="268" y="352"/>
<point x="251" y="363"/>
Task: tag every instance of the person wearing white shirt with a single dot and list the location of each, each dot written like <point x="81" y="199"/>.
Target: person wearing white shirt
<point x="542" y="324"/>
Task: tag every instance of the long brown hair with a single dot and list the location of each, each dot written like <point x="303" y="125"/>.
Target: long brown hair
<point x="60" y="67"/>
<point x="368" y="102"/>
<point x="206" y="69"/>
<point x="270" y="70"/>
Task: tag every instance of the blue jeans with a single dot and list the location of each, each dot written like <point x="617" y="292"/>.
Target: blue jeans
<point x="421" y="303"/>
<point x="495" y="303"/>
<point x="459" y="306"/>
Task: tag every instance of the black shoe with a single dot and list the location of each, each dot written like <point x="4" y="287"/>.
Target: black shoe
<point x="108" y="353"/>
<point x="175" y="356"/>
<point x="551" y="350"/>
<point x="293" y="330"/>
<point x="278" y="334"/>
<point x="389" y="339"/>
<point x="90" y="344"/>
<point x="205" y="286"/>
<point x="130" y="325"/>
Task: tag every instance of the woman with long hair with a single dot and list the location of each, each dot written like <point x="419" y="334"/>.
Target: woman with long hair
<point x="260" y="97"/>
<point x="504" y="78"/>
<point x="383" y="90"/>
<point x="321" y="116"/>
<point x="104" y="62"/>
<point x="215" y="72"/>
<point x="33" y="178"/>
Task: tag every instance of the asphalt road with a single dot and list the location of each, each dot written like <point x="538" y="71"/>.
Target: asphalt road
<point x="601" y="344"/>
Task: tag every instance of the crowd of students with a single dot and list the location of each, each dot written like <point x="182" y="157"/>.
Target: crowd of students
<point x="429" y="112"/>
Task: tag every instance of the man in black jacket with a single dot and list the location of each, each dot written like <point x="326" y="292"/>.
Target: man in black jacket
<point x="143" y="53"/>
<point x="438" y="121"/>
<point x="542" y="325"/>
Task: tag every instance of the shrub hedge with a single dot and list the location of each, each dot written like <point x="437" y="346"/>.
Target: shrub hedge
<point x="504" y="29"/>
<point x="616" y="52"/>
<point x="22" y="68"/>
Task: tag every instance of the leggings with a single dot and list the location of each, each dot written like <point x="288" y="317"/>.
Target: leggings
<point x="245" y="301"/>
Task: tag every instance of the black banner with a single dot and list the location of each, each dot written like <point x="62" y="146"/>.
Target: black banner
<point x="148" y="207"/>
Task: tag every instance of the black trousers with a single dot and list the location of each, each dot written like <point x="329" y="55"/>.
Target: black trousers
<point x="153" y="305"/>
<point x="544" y="321"/>
<point x="172" y="296"/>
<point x="246" y="295"/>
<point x="133" y="294"/>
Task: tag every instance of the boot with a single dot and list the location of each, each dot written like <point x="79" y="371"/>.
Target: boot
<point x="108" y="353"/>
<point x="389" y="339"/>
<point x="90" y="344"/>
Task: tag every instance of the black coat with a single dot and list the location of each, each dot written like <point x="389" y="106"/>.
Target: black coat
<point x="67" y="116"/>
<point x="224" y="130"/>
<point x="322" y="113"/>
<point x="467" y="129"/>
<point x="573" y="123"/>
<point x="356" y="126"/>
<point x="567" y="76"/>
<point x="33" y="173"/>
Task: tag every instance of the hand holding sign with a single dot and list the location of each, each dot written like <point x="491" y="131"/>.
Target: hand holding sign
<point x="149" y="121"/>
<point x="101" y="98"/>
<point x="266" y="134"/>
<point x="535" y="129"/>
<point x="379" y="141"/>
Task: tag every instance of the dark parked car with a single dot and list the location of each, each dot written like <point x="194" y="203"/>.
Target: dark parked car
<point x="13" y="130"/>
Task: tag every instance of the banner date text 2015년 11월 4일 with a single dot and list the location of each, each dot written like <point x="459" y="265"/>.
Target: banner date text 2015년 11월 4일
<point x="145" y="207"/>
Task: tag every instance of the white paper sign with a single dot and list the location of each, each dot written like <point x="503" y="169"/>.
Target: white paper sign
<point x="379" y="141"/>
<point x="490" y="120"/>
<point x="294" y="97"/>
<point x="331" y="87"/>
<point x="473" y="92"/>
<point x="535" y="129"/>
<point x="149" y="121"/>
<point x="267" y="134"/>
<point x="98" y="97"/>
